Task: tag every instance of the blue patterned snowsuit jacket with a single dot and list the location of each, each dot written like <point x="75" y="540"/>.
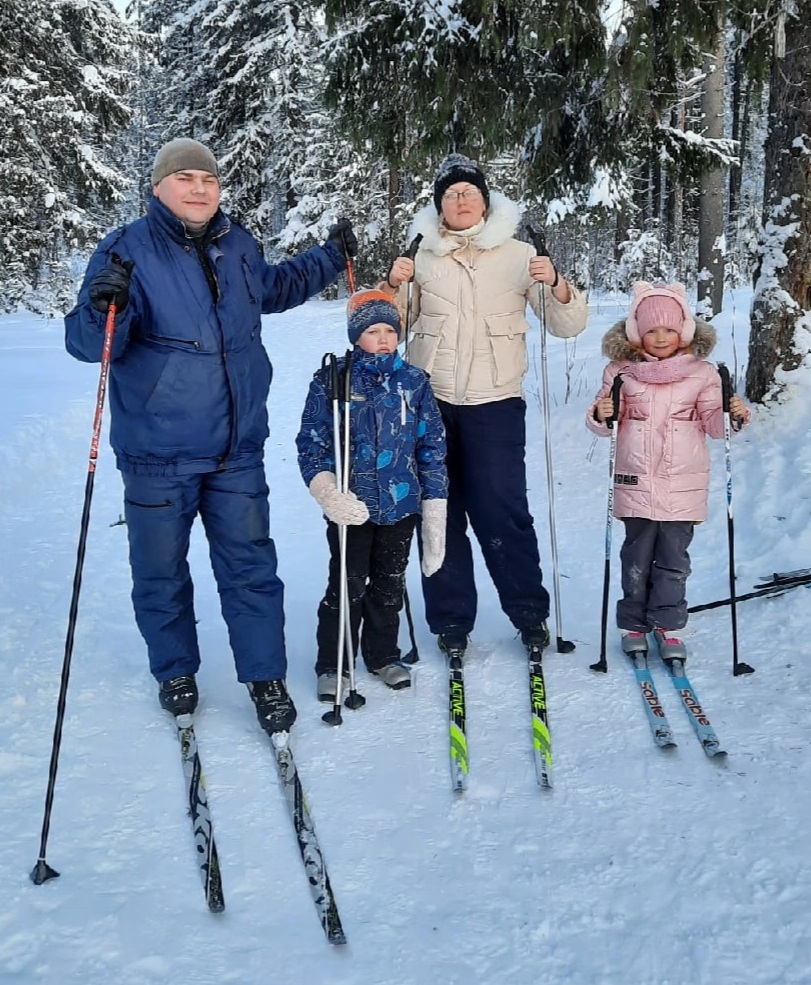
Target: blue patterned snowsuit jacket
<point x="189" y="377"/>
<point x="397" y="439"/>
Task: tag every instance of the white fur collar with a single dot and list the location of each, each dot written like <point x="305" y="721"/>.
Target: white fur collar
<point x="500" y="224"/>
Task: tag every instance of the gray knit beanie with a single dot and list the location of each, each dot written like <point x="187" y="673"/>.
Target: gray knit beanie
<point x="183" y="154"/>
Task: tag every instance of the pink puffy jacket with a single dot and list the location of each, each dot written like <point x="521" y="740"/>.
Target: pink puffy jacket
<point x="667" y="408"/>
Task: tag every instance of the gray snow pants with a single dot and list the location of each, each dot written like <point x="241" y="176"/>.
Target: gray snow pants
<point x="655" y="567"/>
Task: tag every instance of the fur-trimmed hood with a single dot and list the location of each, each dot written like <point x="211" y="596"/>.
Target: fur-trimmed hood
<point x="499" y="224"/>
<point x="617" y="347"/>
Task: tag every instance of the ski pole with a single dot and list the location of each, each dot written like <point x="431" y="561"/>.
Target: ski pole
<point x="413" y="655"/>
<point x="42" y="872"/>
<point x="353" y="699"/>
<point x="765" y="591"/>
<point x="345" y="647"/>
<point x="738" y="667"/>
<point x="563" y="646"/>
<point x="350" y="267"/>
<point x="602" y="663"/>
<point x="411" y="253"/>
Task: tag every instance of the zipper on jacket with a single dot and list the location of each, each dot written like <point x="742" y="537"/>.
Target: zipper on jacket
<point x="166" y="338"/>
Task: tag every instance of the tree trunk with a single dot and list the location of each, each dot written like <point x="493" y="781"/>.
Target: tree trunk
<point x="783" y="288"/>
<point x="711" y="200"/>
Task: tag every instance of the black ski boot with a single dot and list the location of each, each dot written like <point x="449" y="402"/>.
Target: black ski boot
<point x="274" y="706"/>
<point x="179" y="695"/>
<point x="453" y="644"/>
<point x="535" y="639"/>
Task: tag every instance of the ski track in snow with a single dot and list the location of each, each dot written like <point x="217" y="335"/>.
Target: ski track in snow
<point x="641" y="866"/>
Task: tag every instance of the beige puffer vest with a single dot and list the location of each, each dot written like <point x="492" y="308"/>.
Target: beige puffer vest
<point x="468" y="306"/>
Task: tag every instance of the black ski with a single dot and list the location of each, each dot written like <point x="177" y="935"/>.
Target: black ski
<point x="200" y="815"/>
<point x="314" y="865"/>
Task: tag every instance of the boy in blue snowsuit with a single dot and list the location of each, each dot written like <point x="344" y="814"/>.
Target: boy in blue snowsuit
<point x="396" y="475"/>
<point x="189" y="381"/>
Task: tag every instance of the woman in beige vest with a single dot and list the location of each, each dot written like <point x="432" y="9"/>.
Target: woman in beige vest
<point x="472" y="281"/>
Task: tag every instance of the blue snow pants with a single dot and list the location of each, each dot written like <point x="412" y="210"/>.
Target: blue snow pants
<point x="233" y="506"/>
<point x="488" y="487"/>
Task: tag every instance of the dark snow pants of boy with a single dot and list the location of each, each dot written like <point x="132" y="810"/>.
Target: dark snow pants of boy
<point x="233" y="505"/>
<point x="655" y="568"/>
<point x="376" y="562"/>
<point x="487" y="486"/>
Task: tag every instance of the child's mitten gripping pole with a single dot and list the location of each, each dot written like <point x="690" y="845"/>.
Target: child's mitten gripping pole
<point x="602" y="663"/>
<point x="738" y="667"/>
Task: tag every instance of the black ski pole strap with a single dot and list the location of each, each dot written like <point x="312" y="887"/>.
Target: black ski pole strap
<point x="726" y="386"/>
<point x="616" y="386"/>
<point x="330" y="378"/>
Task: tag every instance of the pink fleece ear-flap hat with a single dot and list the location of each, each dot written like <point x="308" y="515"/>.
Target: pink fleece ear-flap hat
<point x="659" y="306"/>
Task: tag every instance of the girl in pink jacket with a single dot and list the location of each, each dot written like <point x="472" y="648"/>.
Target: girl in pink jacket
<point x="670" y="401"/>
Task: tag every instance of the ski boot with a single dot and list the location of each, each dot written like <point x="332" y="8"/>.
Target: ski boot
<point x="179" y="695"/>
<point x="535" y="639"/>
<point x="453" y="645"/>
<point x="394" y="675"/>
<point x="634" y="643"/>
<point x="671" y="648"/>
<point x="274" y="706"/>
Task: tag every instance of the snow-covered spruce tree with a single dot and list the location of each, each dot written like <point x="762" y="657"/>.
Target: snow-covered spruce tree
<point x="66" y="74"/>
<point x="751" y="29"/>
<point x="653" y="95"/>
<point x="780" y="336"/>
<point x="178" y="89"/>
<point x="414" y="80"/>
<point x="265" y="59"/>
<point x="335" y="180"/>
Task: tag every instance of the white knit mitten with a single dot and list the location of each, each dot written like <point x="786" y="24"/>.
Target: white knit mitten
<point x="434" y="524"/>
<point x="343" y="508"/>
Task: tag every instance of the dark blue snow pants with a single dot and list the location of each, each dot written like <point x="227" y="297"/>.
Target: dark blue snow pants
<point x="233" y="505"/>
<point x="488" y="487"/>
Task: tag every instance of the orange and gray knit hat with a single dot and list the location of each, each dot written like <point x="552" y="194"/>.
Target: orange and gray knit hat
<point x="366" y="308"/>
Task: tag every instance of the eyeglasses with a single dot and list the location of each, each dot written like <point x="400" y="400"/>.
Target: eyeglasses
<point x="466" y="196"/>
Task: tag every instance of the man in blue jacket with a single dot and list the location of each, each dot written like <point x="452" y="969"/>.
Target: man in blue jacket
<point x="189" y="380"/>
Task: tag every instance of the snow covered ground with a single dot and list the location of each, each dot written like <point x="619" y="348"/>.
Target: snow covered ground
<point x="640" y="867"/>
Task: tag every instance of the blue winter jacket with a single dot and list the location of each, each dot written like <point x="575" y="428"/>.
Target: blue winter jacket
<point x="397" y="439"/>
<point x="189" y="376"/>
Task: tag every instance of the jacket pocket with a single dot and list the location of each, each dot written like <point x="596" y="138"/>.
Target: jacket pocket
<point x="425" y="335"/>
<point x="508" y="346"/>
<point x="251" y="281"/>
<point x="687" y="452"/>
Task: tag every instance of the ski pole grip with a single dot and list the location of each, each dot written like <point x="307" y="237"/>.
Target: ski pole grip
<point x="348" y="376"/>
<point x="616" y="386"/>
<point x="726" y="386"/>
<point x="538" y="241"/>
<point x="329" y="375"/>
<point x="413" y="246"/>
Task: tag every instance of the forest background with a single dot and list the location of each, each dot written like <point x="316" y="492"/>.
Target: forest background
<point x="659" y="140"/>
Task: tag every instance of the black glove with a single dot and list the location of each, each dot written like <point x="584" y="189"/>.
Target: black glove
<point x="111" y="286"/>
<point x="341" y="234"/>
